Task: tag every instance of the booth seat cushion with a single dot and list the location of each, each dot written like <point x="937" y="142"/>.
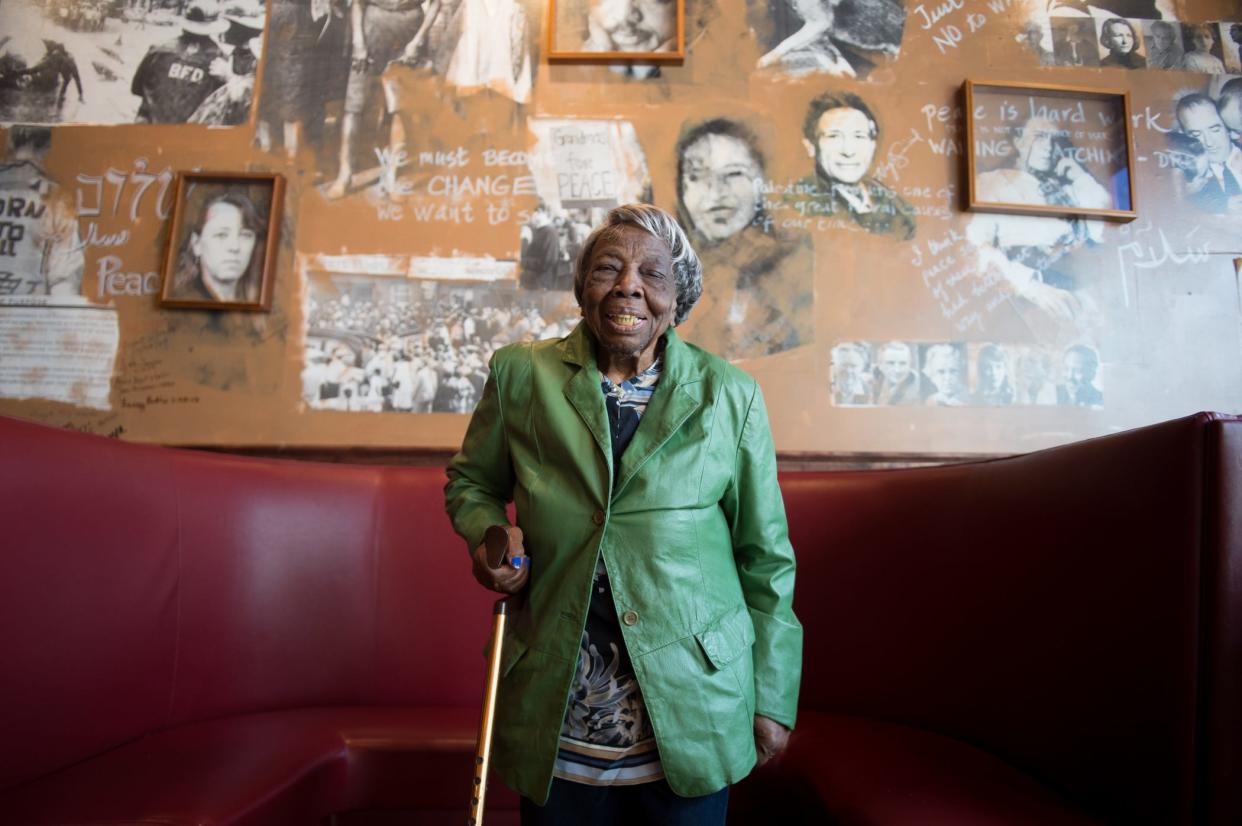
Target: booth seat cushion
<point x="851" y="771"/>
<point x="273" y="767"/>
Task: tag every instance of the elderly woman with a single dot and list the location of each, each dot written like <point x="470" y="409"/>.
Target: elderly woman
<point x="218" y="260"/>
<point x="654" y="655"/>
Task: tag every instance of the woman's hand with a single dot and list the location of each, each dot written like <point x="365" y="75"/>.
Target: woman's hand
<point x="770" y="738"/>
<point x="511" y="576"/>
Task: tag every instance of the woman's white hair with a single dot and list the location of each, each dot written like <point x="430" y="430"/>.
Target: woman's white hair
<point x="687" y="270"/>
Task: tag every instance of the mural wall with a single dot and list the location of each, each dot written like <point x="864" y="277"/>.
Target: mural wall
<point x="442" y="174"/>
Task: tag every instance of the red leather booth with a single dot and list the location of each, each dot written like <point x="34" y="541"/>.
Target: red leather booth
<point x="191" y="638"/>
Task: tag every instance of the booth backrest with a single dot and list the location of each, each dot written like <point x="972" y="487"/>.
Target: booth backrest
<point x="1045" y="607"/>
<point x="142" y="588"/>
<point x="1077" y="611"/>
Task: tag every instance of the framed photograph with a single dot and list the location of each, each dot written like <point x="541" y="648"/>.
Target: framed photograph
<point x="222" y="248"/>
<point x="1041" y="149"/>
<point x="608" y="31"/>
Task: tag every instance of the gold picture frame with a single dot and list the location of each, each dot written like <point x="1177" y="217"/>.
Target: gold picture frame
<point x="607" y="31"/>
<point x="1047" y="149"/>
<point x="221" y="252"/>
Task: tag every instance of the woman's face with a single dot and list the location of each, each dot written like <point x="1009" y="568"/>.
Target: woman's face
<point x="1121" y="39"/>
<point x="225" y="245"/>
<point x="718" y="174"/>
<point x="629" y="297"/>
<point x="1203" y="41"/>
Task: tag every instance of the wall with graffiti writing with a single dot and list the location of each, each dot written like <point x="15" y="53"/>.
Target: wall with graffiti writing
<point x="441" y="175"/>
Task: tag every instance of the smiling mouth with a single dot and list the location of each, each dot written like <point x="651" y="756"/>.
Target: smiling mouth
<point x="625" y="321"/>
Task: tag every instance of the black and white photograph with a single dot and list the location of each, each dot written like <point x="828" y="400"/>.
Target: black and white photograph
<point x="487" y="46"/>
<point x="349" y="77"/>
<point x="1204" y="52"/>
<point x="758" y="297"/>
<point x="1231" y="45"/>
<point x="129" y="61"/>
<point x="1036" y="377"/>
<point x="588" y="164"/>
<point x="841" y="136"/>
<point x="992" y="375"/>
<point x="1079" y="384"/>
<point x="1207" y="163"/>
<point x="408" y="345"/>
<point x="1164" y="44"/>
<point x="222" y="247"/>
<point x="850" y="374"/>
<point x="1121" y="47"/>
<point x="963" y="374"/>
<point x="550" y="244"/>
<point x="1118" y="39"/>
<point x="895" y="376"/>
<point x="943" y="365"/>
<point x="307" y="69"/>
<point x="835" y="38"/>
<point x="650" y="30"/>
<point x="41" y="250"/>
<point x="1049" y="150"/>
<point x="1074" y="41"/>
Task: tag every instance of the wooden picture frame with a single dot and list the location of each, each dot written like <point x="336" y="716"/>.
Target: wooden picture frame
<point x="1079" y="161"/>
<point x="221" y="252"/>
<point x="602" y="31"/>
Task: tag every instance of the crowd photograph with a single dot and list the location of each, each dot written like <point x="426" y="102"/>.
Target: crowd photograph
<point x="415" y="346"/>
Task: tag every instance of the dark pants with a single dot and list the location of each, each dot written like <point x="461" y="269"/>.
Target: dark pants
<point x="655" y="803"/>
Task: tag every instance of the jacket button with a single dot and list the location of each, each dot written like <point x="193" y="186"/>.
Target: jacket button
<point x="598" y="517"/>
<point x="630" y="617"/>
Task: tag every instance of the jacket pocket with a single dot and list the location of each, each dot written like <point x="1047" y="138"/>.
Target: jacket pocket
<point x="727" y="637"/>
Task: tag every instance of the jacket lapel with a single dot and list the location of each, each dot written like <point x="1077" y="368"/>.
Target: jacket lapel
<point x="676" y="397"/>
<point x="583" y="390"/>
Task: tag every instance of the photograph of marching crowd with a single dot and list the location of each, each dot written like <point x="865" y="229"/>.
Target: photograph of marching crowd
<point x="393" y="344"/>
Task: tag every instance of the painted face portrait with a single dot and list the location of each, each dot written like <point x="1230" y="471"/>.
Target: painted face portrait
<point x="845" y="145"/>
<point x="636" y="25"/>
<point x="718" y="185"/>
<point x="224" y="245"/>
<point x="1203" y="40"/>
<point x="1203" y="123"/>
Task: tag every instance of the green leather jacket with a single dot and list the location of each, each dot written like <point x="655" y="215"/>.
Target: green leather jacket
<point x="693" y="533"/>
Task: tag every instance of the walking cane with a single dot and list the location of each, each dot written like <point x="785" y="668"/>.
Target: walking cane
<point x="497" y="541"/>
